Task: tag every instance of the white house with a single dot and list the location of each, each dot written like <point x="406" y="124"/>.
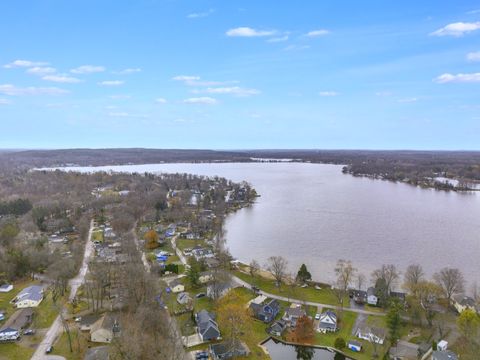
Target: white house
<point x="371" y="334"/>
<point x="176" y="286"/>
<point x="5" y="288"/>
<point x="462" y="303"/>
<point x="354" y="346"/>
<point x="205" y="277"/>
<point x="328" y="322"/>
<point x="31" y="296"/>
<point x="442" y="345"/>
<point x="372" y="299"/>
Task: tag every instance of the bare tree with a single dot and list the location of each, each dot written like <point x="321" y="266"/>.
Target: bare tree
<point x="345" y="273"/>
<point x="277" y="265"/>
<point x="388" y="273"/>
<point x="254" y="268"/>
<point x="413" y="275"/>
<point x="451" y="281"/>
<point x="427" y="293"/>
<point x="360" y="281"/>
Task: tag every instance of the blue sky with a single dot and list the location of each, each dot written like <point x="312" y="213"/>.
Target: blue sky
<point x="240" y="74"/>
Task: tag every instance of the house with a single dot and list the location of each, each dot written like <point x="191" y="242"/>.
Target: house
<point x="104" y="329"/>
<point x="277" y="328"/>
<point x="218" y="290"/>
<point x="293" y="313"/>
<point x="20" y="319"/>
<point x="227" y="350"/>
<point x="176" y="286"/>
<point x="266" y="311"/>
<point x="442" y="345"/>
<point x="5" y="288"/>
<point x="360" y="297"/>
<point x="462" y="303"/>
<point x="184" y="298"/>
<point x="354" y="345"/>
<point x="206" y="325"/>
<point x="400" y="296"/>
<point x="31" y="296"/>
<point x="97" y="353"/>
<point x="372" y="334"/>
<point x="328" y="322"/>
<point x="87" y="322"/>
<point x="9" y="334"/>
<point x="372" y="299"/>
<point x="444" y="355"/>
<point x="212" y="263"/>
<point x="205" y="277"/>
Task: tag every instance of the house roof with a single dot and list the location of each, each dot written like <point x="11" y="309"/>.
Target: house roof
<point x="33" y="292"/>
<point x="227" y="347"/>
<point x="378" y="332"/>
<point x="355" y="343"/>
<point x="183" y="297"/>
<point x="106" y="322"/>
<point x="278" y="326"/>
<point x="370" y="291"/>
<point x="207" y="326"/>
<point x="328" y="314"/>
<point x="6" y="287"/>
<point x="465" y="300"/>
<point x="174" y="282"/>
<point x="296" y="311"/>
<point x="444" y="355"/>
<point x="8" y="330"/>
<point x="97" y="353"/>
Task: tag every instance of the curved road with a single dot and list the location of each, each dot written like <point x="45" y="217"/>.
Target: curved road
<point x="56" y="328"/>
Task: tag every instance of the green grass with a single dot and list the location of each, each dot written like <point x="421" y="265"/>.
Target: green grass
<point x="79" y="345"/>
<point x="97" y="235"/>
<point x="5" y="298"/>
<point x="46" y="312"/>
<point x="13" y="351"/>
<point x="324" y="296"/>
<point x="185" y="243"/>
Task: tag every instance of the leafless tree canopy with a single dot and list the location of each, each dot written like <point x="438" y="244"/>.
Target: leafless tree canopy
<point x="451" y="281"/>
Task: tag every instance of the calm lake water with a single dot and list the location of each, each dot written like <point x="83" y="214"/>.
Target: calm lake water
<point x="279" y="351"/>
<point x="314" y="214"/>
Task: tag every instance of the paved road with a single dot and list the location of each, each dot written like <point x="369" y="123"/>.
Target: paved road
<point x="56" y="328"/>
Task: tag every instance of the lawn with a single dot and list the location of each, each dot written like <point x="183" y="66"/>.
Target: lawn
<point x="46" y="312"/>
<point x="97" y="235"/>
<point x="185" y="243"/>
<point x="13" y="351"/>
<point x="79" y="345"/>
<point x="5" y="298"/>
<point x="324" y="296"/>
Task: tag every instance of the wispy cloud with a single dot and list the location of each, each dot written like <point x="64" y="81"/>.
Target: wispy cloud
<point x="317" y="33"/>
<point x="128" y="71"/>
<point x="232" y="90"/>
<point x="473" y="56"/>
<point x="458" y="78"/>
<point x="186" y="78"/>
<point x="191" y="80"/>
<point x="64" y="79"/>
<point x="24" y="64"/>
<point x="12" y="90"/>
<point x="457" y="29"/>
<point x="41" y="70"/>
<point x="328" y="93"/>
<point x="201" y="100"/>
<point x="407" y="100"/>
<point x="278" y="39"/>
<point x="249" y="32"/>
<point x="111" y="83"/>
<point x="201" y="14"/>
<point x="5" y="102"/>
<point x="161" y="101"/>
<point x="88" y="69"/>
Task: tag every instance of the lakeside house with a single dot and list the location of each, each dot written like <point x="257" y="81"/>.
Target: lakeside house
<point x="206" y="325"/>
<point x="444" y="355"/>
<point x="360" y="297"/>
<point x="31" y="296"/>
<point x="354" y="345"/>
<point x="372" y="298"/>
<point x="265" y="311"/>
<point x="219" y="289"/>
<point x="328" y="322"/>
<point x="277" y="328"/>
<point x="462" y="303"/>
<point x="228" y="350"/>
<point x="372" y="334"/>
<point x="293" y="313"/>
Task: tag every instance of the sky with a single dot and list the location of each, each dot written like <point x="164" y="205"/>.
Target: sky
<point x="240" y="74"/>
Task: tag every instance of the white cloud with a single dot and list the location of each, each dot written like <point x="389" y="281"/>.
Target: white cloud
<point x="12" y="90"/>
<point x="278" y="39"/>
<point x="473" y="56"/>
<point x="88" y="69"/>
<point x="128" y="71"/>
<point x="201" y="100"/>
<point x="195" y="81"/>
<point x="111" y="83"/>
<point x="249" y="32"/>
<point x="232" y="90"/>
<point x="458" y="78"/>
<point x="161" y="101"/>
<point x="64" y="79"/>
<point x="296" y="47"/>
<point x="407" y="100"/>
<point x="383" y="93"/>
<point x="41" y="70"/>
<point x="124" y="114"/>
<point x="5" y="102"/>
<point x="186" y="78"/>
<point x="200" y="14"/>
<point x="24" y="63"/>
<point x="457" y="29"/>
<point x="328" y="93"/>
<point x="317" y="33"/>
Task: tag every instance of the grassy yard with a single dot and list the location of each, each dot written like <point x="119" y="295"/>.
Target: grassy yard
<point x="46" y="312"/>
<point x="97" y="235"/>
<point x="5" y="298"/>
<point x="14" y="351"/>
<point x="79" y="345"/>
<point x="324" y="296"/>
<point x="185" y="243"/>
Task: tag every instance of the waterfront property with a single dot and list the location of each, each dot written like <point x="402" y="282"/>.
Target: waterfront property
<point x="372" y="334"/>
<point x="293" y="313"/>
<point x="354" y="345"/>
<point x="207" y="326"/>
<point x="265" y="311"/>
<point x="328" y="322"/>
<point x="372" y="298"/>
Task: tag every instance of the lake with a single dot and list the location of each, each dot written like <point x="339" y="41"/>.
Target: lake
<point x="280" y="351"/>
<point x="315" y="214"/>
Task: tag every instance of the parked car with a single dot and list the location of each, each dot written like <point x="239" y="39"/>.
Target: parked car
<point x="49" y="349"/>
<point x="317" y="316"/>
<point x="203" y="355"/>
<point x="29" y="332"/>
<point x="200" y="295"/>
<point x="78" y="319"/>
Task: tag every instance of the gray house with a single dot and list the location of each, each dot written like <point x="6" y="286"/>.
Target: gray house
<point x="444" y="355"/>
<point x="207" y="327"/>
<point x="228" y="350"/>
<point x="266" y="311"/>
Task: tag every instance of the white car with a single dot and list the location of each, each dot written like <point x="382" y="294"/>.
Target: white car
<point x="317" y="316"/>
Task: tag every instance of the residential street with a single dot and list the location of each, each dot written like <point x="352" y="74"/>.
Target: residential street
<point x="56" y="328"/>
